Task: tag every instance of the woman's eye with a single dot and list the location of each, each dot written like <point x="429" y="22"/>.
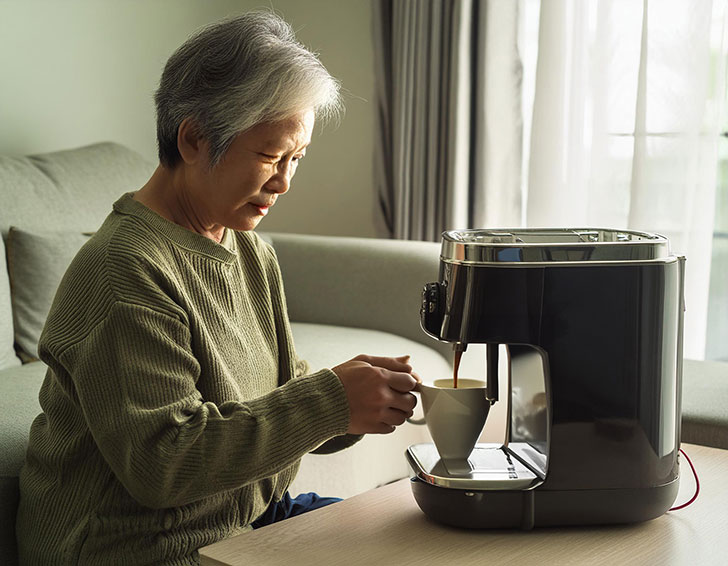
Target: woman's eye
<point x="275" y="159"/>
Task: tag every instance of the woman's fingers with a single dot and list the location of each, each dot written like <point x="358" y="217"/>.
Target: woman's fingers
<point x="400" y="363"/>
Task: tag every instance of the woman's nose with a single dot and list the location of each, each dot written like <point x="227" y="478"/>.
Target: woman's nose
<point x="280" y="182"/>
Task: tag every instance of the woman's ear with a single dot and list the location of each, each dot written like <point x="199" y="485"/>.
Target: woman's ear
<point x="190" y="143"/>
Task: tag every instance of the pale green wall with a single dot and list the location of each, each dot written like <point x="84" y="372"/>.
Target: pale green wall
<point x="74" y="72"/>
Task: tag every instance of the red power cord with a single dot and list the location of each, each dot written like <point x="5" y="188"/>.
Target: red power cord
<point x="697" y="484"/>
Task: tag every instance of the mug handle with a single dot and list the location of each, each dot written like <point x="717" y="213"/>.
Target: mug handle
<point x="416" y="421"/>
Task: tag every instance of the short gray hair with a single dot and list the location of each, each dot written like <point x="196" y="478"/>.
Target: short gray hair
<point x="234" y="74"/>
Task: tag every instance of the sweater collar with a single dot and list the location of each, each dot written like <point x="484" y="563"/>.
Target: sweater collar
<point x="182" y="236"/>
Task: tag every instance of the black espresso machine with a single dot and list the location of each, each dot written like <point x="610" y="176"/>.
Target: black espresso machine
<point x="591" y="320"/>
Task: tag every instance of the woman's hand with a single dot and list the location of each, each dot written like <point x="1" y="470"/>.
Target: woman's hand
<point x="378" y="391"/>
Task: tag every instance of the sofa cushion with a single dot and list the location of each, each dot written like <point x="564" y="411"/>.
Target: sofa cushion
<point x="36" y="263"/>
<point x="68" y="190"/>
<point x="369" y="282"/>
<point x="7" y="353"/>
<point x="377" y="459"/>
<point x="19" y="387"/>
<point x="18" y="406"/>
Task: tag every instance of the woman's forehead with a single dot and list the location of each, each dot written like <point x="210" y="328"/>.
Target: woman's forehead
<point x="295" y="131"/>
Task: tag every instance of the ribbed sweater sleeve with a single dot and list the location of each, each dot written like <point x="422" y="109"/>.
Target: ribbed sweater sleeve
<point x="135" y="379"/>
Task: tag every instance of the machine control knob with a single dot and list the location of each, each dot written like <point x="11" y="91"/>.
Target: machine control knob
<point x="430" y="315"/>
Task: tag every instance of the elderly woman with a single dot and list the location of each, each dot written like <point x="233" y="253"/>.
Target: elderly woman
<point x="175" y="410"/>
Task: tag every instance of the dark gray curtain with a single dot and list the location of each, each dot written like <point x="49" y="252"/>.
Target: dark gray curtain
<point x="449" y="115"/>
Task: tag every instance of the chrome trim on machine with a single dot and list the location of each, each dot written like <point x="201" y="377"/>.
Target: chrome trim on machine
<point x="552" y="246"/>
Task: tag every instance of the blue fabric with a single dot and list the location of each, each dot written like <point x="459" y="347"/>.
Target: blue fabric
<point x="291" y="506"/>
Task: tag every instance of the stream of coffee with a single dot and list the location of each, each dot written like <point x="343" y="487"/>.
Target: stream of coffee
<point x="456" y="365"/>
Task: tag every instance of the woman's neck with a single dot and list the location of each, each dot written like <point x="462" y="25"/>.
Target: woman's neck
<point x="165" y="193"/>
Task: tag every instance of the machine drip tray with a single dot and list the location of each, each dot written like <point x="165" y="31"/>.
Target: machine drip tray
<point x="490" y="466"/>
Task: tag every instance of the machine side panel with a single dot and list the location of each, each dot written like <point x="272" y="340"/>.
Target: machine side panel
<point x="611" y="337"/>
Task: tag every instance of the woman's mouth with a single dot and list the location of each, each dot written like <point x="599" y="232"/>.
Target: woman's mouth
<point x="262" y="209"/>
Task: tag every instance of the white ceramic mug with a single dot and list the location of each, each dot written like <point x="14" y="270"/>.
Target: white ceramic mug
<point x="454" y="417"/>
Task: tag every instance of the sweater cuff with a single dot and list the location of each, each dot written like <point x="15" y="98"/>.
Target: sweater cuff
<point x="328" y="401"/>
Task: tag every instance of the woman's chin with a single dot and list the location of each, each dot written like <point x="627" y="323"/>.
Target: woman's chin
<point x="247" y="224"/>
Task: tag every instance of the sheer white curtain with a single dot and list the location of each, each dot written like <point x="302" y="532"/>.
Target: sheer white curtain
<point x="626" y="116"/>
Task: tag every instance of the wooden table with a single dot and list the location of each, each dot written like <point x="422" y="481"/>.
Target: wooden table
<point x="384" y="526"/>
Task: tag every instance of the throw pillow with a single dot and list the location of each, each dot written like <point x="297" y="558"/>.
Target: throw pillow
<point x="36" y="264"/>
<point x="7" y="353"/>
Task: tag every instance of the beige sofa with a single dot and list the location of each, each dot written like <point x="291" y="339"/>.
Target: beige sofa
<point x="346" y="296"/>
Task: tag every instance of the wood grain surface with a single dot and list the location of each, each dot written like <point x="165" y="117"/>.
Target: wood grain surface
<point x="384" y="526"/>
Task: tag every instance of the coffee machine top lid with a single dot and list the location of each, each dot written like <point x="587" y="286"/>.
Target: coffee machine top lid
<point x="552" y="245"/>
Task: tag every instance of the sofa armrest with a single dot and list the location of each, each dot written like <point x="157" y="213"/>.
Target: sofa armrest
<point x="705" y="403"/>
<point x="358" y="282"/>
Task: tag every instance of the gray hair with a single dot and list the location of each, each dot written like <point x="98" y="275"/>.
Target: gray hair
<point x="234" y="74"/>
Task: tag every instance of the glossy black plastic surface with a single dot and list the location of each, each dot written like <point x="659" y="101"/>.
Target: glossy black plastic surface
<point x="610" y="338"/>
<point x="527" y="509"/>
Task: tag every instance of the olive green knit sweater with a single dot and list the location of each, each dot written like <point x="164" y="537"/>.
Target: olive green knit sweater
<point x="171" y="416"/>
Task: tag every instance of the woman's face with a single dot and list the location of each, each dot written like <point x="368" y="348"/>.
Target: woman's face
<point x="256" y="169"/>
